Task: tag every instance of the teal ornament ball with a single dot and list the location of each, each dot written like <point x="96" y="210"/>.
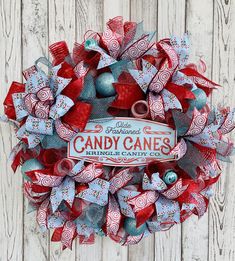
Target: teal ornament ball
<point x="90" y="43"/>
<point x="104" y="84"/>
<point x="29" y="165"/>
<point x="53" y="142"/>
<point x="131" y="229"/>
<point x="200" y="99"/>
<point x="170" y="177"/>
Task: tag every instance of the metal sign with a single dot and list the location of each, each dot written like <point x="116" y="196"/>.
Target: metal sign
<point x="123" y="142"/>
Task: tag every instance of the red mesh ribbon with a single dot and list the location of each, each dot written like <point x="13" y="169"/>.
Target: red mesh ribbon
<point x="16" y="161"/>
<point x="48" y="157"/>
<point x="128" y="92"/>
<point x="127" y="95"/>
<point x="78" y="115"/>
<point x="8" y="102"/>
<point x="116" y="25"/>
<point x="66" y="71"/>
<point x="87" y="240"/>
<point x="201" y="81"/>
<point x="59" y="51"/>
<point x="194" y="187"/>
<point x="73" y="89"/>
<point x="56" y="236"/>
<point x="143" y="215"/>
<point x="79" y="53"/>
<point x="182" y="94"/>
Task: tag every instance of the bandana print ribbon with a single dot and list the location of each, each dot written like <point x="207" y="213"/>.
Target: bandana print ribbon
<point x="135" y="43"/>
<point x="154" y="81"/>
<point x="60" y="184"/>
<point x="42" y="103"/>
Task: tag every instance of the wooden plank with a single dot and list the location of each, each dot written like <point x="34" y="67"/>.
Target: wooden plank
<point x="222" y="214"/>
<point x="112" y="8"/>
<point x="61" y="15"/>
<point x="90" y="252"/>
<point x="56" y="252"/>
<point x="144" y="250"/>
<point x="114" y="251"/>
<point x="11" y="202"/>
<point x="171" y="20"/>
<point x="199" y="24"/>
<point x="89" y="16"/>
<point x="35" y="43"/>
<point x="146" y="11"/>
<point x="168" y="244"/>
<point x="62" y="21"/>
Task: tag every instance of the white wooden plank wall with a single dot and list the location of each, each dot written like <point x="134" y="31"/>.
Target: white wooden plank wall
<point x="199" y="24"/>
<point x="222" y="210"/>
<point x="26" y="29"/>
<point x="11" y="203"/>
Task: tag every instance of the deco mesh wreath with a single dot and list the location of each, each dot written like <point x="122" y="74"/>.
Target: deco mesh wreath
<point x="148" y="183"/>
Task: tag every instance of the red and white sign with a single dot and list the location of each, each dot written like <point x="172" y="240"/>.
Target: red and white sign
<point x="123" y="142"/>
